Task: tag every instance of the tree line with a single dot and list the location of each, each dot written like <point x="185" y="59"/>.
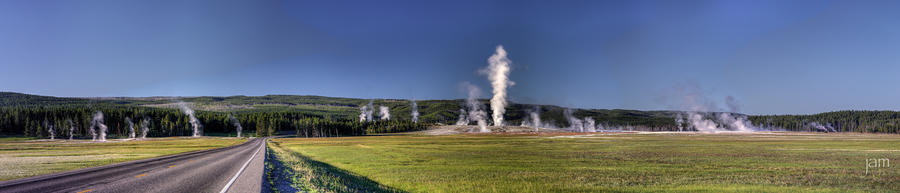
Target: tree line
<point x="840" y="121"/>
<point x="30" y="121"/>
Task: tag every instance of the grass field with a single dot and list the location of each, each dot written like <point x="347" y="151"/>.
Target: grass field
<point x="786" y="162"/>
<point x="22" y="157"/>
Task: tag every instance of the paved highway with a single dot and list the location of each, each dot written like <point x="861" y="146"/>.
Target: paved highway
<point x="232" y="169"/>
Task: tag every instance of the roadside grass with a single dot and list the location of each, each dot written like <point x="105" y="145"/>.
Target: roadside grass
<point x="785" y="162"/>
<point x="307" y="175"/>
<point x="25" y="158"/>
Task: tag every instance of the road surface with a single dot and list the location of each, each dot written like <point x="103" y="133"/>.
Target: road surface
<point x="232" y="169"/>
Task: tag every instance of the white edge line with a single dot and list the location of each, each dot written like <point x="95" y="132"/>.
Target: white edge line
<point x="225" y="189"/>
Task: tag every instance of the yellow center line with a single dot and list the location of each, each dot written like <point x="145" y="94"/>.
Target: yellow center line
<point x="142" y="175"/>
<point x="192" y="161"/>
<point x="172" y="166"/>
<point x="88" y="190"/>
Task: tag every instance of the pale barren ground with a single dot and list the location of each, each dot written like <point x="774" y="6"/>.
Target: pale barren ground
<point x="25" y="158"/>
<point x="461" y="129"/>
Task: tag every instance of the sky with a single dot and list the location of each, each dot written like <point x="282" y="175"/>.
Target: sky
<point x="772" y="57"/>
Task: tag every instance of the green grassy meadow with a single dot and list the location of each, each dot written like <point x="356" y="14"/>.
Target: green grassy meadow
<point x="22" y="157"/>
<point x="661" y="162"/>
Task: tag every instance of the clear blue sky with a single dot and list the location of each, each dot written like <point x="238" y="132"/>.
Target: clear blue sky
<point x="774" y="57"/>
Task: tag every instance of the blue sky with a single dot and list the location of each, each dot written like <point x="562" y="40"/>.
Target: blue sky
<point x="774" y="57"/>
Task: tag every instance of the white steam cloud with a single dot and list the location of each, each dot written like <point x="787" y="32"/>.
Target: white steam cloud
<point x="679" y="121"/>
<point x="365" y="112"/>
<point x="475" y="112"/>
<point x="589" y="124"/>
<point x="100" y="133"/>
<point x="824" y="128"/>
<point x="384" y="112"/>
<point x="71" y="129"/>
<point x="195" y="123"/>
<point x="130" y="127"/>
<point x="575" y="124"/>
<point x="497" y="72"/>
<point x="50" y="129"/>
<point x="414" y="111"/>
<point x="463" y="117"/>
<point x="700" y="114"/>
<point x="534" y="119"/>
<point x="145" y="127"/>
<point x="362" y="113"/>
<point x="237" y="124"/>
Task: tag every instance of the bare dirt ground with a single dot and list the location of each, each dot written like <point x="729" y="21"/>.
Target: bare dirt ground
<point x="561" y="133"/>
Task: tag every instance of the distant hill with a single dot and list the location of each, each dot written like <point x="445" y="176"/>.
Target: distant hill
<point x="436" y="111"/>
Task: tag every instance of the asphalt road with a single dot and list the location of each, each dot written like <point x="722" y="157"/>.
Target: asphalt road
<point x="202" y="171"/>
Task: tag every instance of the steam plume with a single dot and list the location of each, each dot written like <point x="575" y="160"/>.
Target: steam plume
<point x="195" y="123"/>
<point x="237" y="124"/>
<point x="698" y="106"/>
<point x="498" y="74"/>
<point x="50" y="129"/>
<point x="93" y="132"/>
<point x="826" y="128"/>
<point x="100" y="133"/>
<point x="362" y="113"/>
<point x="575" y="124"/>
<point x="71" y="129"/>
<point x="384" y="112"/>
<point x="130" y="127"/>
<point x="475" y="112"/>
<point x="371" y="110"/>
<point x="365" y="112"/>
<point x="679" y="121"/>
<point x="415" y="111"/>
<point x="463" y="119"/>
<point x="145" y="127"/>
<point x="733" y="105"/>
<point x="589" y="125"/>
<point x="534" y="119"/>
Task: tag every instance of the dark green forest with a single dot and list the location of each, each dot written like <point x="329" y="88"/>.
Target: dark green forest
<point x="841" y="121"/>
<point x="318" y="116"/>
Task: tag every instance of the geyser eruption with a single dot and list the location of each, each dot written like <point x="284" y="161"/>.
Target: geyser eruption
<point x="384" y="112"/>
<point x="99" y="133"/>
<point x="736" y="122"/>
<point x="50" y="129"/>
<point x="589" y="124"/>
<point x="679" y="121"/>
<point x="71" y="129"/>
<point x="463" y="117"/>
<point x="195" y="123"/>
<point x="145" y="127"/>
<point x="534" y="119"/>
<point x="93" y="132"/>
<point x="362" y="113"/>
<point x="130" y="127"/>
<point x="475" y="112"/>
<point x="237" y="124"/>
<point x="497" y="72"/>
<point x="365" y="112"/>
<point x="480" y="118"/>
<point x="699" y="123"/>
<point x="575" y="124"/>
<point x="370" y="112"/>
<point x="697" y="106"/>
<point x="825" y="128"/>
<point x="414" y="111"/>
